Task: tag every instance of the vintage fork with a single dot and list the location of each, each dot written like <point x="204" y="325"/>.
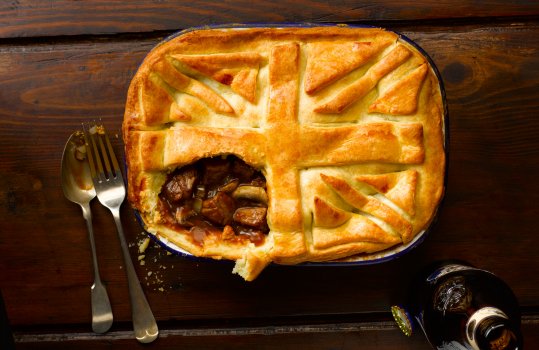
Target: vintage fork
<point x="110" y="189"/>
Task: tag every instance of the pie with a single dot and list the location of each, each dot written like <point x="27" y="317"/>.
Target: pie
<point x="285" y="145"/>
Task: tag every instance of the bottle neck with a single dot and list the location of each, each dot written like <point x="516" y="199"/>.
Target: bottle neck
<point x="489" y="328"/>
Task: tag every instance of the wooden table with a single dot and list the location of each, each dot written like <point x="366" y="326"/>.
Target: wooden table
<point x="64" y="62"/>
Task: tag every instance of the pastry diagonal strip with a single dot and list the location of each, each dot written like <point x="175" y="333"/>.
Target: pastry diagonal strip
<point x="238" y="70"/>
<point x="327" y="215"/>
<point x="401" y="98"/>
<point x="331" y="61"/>
<point x="165" y="75"/>
<point x="366" y="83"/>
<point x="400" y="187"/>
<point x="370" y="205"/>
<point x="357" y="229"/>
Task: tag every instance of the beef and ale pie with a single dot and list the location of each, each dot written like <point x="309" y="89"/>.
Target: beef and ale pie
<point x="285" y="145"/>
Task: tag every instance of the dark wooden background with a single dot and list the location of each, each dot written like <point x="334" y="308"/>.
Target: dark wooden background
<point x="64" y="62"/>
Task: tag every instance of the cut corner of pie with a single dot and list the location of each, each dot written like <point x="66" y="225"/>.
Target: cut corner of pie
<point x="251" y="265"/>
<point x="285" y="145"/>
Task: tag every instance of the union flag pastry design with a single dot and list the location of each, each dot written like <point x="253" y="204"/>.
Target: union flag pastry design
<point x="346" y="125"/>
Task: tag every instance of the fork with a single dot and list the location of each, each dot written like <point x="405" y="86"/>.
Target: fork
<point x="110" y="189"/>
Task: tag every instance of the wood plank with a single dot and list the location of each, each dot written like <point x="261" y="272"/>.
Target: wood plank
<point x="337" y="339"/>
<point x="488" y="218"/>
<point x="365" y="335"/>
<point x="31" y="18"/>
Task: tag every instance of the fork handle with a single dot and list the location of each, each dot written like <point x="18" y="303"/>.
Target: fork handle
<point x="144" y="323"/>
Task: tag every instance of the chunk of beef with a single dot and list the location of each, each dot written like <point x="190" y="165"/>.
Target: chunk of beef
<point x="253" y="216"/>
<point x="242" y="170"/>
<point x="215" y="171"/>
<point x="219" y="209"/>
<point x="180" y="185"/>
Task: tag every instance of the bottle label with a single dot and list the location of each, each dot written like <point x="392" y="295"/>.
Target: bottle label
<point x="476" y="319"/>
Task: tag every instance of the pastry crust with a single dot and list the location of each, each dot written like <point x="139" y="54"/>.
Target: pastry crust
<point x="346" y="124"/>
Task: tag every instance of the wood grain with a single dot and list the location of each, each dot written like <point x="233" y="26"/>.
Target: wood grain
<point x="345" y="335"/>
<point x="488" y="217"/>
<point x="32" y="18"/>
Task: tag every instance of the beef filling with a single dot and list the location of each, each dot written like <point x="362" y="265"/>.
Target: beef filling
<point x="217" y="195"/>
<point x="181" y="185"/>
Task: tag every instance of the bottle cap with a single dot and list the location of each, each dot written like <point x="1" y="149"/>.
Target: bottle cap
<point x="403" y="319"/>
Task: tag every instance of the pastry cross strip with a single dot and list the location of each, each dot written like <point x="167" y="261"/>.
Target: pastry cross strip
<point x="346" y="124"/>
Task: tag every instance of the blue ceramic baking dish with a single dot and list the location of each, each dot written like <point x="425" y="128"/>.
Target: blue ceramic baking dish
<point x="360" y="259"/>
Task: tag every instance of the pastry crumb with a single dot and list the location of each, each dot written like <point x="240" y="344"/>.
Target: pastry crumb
<point x="154" y="264"/>
<point x="144" y="245"/>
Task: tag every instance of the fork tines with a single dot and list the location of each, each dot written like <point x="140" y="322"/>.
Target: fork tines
<point x="100" y="153"/>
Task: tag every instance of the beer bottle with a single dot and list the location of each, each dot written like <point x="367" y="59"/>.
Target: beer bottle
<point x="460" y="307"/>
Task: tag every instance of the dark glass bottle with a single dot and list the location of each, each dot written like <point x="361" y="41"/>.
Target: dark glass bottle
<point x="460" y="307"/>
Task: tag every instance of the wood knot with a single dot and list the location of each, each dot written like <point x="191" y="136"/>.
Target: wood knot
<point x="456" y="72"/>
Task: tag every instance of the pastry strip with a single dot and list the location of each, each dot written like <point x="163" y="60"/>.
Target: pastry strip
<point x="284" y="216"/>
<point x="366" y="83"/>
